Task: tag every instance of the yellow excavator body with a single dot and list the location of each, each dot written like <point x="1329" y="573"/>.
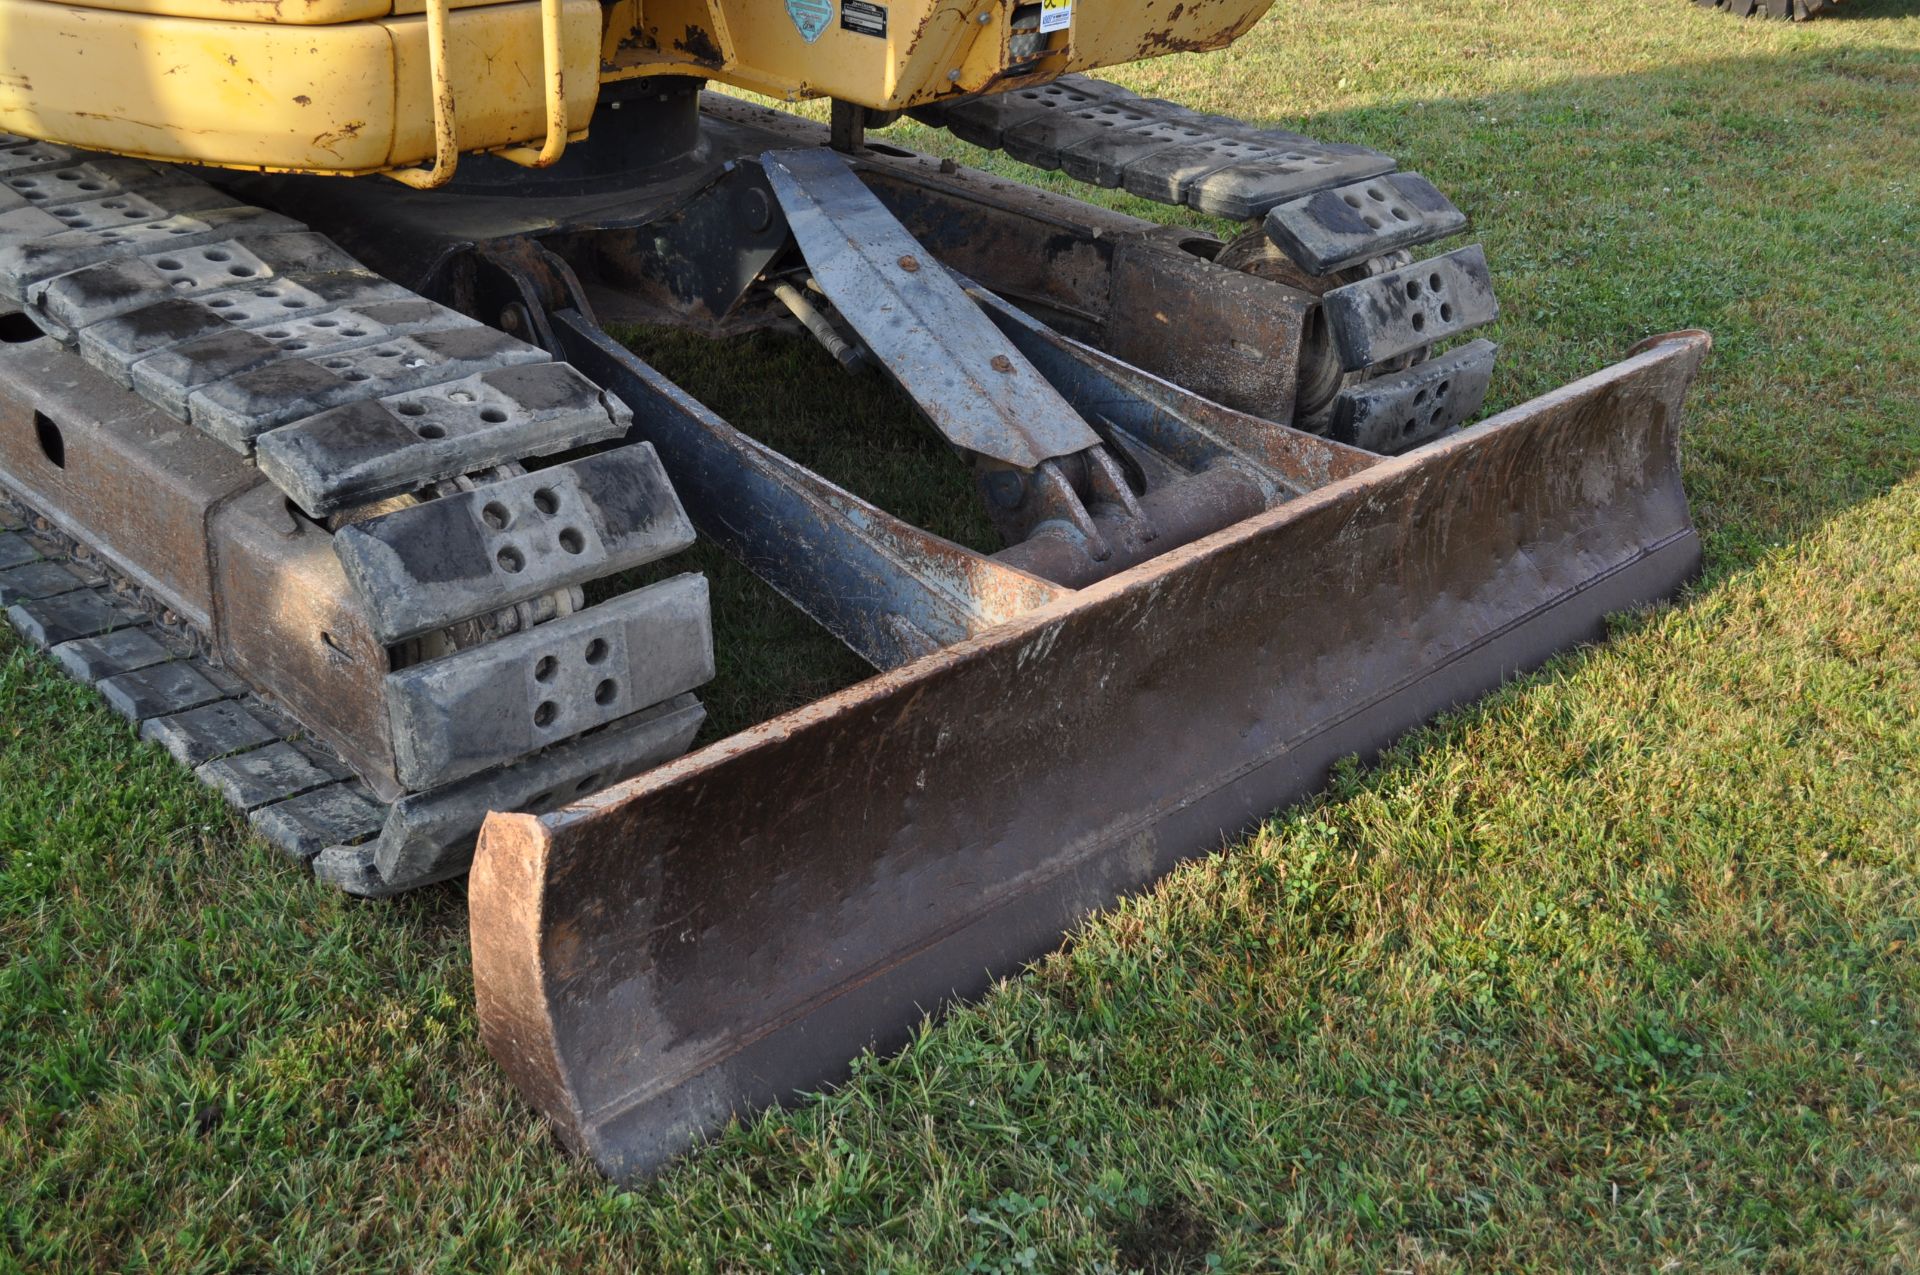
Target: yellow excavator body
<point x="364" y="86"/>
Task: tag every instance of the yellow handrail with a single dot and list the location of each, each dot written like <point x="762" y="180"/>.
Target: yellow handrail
<point x="556" y="69"/>
<point x="446" y="143"/>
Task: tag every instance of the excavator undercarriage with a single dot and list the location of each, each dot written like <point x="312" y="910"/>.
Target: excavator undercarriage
<point x="345" y="492"/>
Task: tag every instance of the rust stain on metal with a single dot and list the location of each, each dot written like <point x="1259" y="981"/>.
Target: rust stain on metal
<point x="345" y="133"/>
<point x="698" y="44"/>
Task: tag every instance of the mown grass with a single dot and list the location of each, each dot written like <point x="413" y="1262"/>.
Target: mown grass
<point x="1615" y="970"/>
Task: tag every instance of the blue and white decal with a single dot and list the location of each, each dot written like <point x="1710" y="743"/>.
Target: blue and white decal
<point x="810" y="17"/>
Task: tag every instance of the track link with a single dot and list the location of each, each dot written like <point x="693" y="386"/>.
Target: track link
<point x="1335" y="219"/>
<point x="400" y="426"/>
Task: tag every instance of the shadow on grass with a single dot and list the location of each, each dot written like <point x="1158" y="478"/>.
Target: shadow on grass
<point x="1862" y="11"/>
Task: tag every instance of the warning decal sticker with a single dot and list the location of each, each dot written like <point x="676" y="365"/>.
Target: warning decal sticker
<point x="810" y="17"/>
<point x="1055" y="15"/>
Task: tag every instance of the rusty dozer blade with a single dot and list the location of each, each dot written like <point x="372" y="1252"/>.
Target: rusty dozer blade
<point x="734" y="926"/>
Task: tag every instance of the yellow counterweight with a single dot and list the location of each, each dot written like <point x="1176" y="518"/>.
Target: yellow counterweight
<point x="362" y="86"/>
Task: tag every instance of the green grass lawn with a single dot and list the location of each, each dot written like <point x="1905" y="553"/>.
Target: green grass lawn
<point x="1619" y="969"/>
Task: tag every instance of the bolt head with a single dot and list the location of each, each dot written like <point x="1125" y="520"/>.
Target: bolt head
<point x="1004" y="488"/>
<point x="755" y="211"/>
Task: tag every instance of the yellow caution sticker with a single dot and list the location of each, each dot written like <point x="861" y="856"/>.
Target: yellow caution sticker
<point x="1055" y="15"/>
